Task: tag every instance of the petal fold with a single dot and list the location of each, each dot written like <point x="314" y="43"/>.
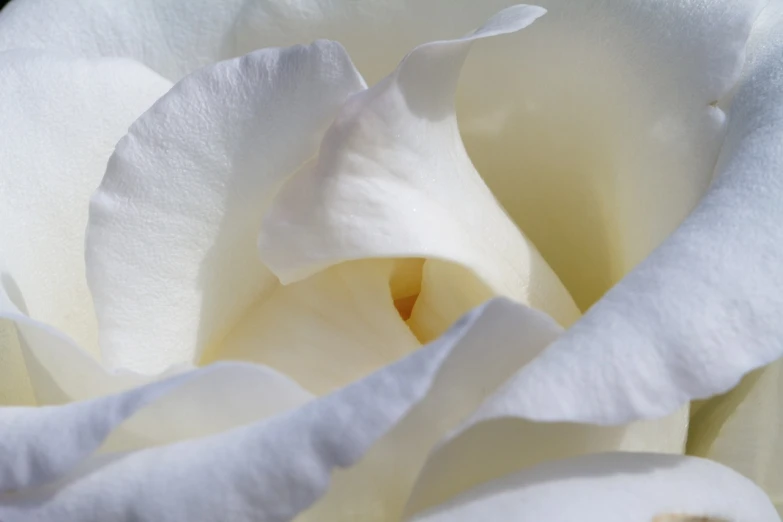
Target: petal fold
<point x="175" y="220"/>
<point x="392" y="179"/>
<point x="60" y="119"/>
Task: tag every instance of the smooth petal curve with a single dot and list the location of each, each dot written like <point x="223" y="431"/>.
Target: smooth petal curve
<point x="393" y="180"/>
<point x="43" y="443"/>
<point x="269" y="470"/>
<point x="61" y="118"/>
<point x="326" y="331"/>
<point x="175" y="220"/>
<point x="614" y="487"/>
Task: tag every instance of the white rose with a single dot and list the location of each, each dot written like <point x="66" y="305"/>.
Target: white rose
<point x="273" y="211"/>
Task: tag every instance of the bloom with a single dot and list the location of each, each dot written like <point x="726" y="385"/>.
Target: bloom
<point x="347" y="194"/>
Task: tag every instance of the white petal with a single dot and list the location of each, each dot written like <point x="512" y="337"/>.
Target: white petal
<point x="172" y="37"/>
<point x="393" y="180"/>
<point x="698" y="314"/>
<point x="465" y="366"/>
<point x="744" y="428"/>
<point x="42" y="443"/>
<point x="614" y="487"/>
<point x="171" y="252"/>
<point x="61" y="118"/>
<point x="271" y="470"/>
<point x="594" y="128"/>
<point x="326" y="331"/>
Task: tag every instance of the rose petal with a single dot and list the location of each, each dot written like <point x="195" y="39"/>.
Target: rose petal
<point x="171" y="37"/>
<point x="619" y="131"/>
<point x="614" y="487"/>
<point x="743" y="429"/>
<point x="61" y="118"/>
<point x="697" y="315"/>
<point x="274" y="469"/>
<point x="393" y="180"/>
<point x="175" y="221"/>
<point x="42" y="443"/>
<point x="326" y="331"/>
<point x="596" y="130"/>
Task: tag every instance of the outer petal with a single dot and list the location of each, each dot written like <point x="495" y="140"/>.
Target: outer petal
<point x="42" y="443"/>
<point x="271" y="470"/>
<point x="171" y="37"/>
<point x="171" y="242"/>
<point x="744" y="428"/>
<point x="617" y="487"/>
<point x="393" y="180"/>
<point x="59" y="122"/>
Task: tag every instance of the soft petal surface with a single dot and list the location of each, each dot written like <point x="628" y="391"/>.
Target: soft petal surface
<point x="270" y="470"/>
<point x="597" y="146"/>
<point x="614" y="487"/>
<point x="277" y="468"/>
<point x="326" y="331"/>
<point x="60" y="120"/>
<point x="744" y="428"/>
<point x="171" y="254"/>
<point x="393" y="180"/>
<point x="40" y="444"/>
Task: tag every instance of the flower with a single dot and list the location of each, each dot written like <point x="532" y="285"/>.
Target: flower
<point x="273" y="209"/>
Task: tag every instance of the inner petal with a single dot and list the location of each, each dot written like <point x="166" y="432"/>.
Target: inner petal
<point x="393" y="180"/>
<point x="330" y="329"/>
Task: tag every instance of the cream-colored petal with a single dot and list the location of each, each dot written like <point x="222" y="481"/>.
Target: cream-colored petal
<point x="392" y="179"/>
<point x="171" y="255"/>
<point x="614" y="487"/>
<point x="325" y="331"/>
<point x="60" y="118"/>
<point x="743" y="429"/>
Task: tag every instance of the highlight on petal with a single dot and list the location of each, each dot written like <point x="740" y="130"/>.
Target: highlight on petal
<point x="175" y="221"/>
<point x="392" y="179"/>
<point x="614" y="487"/>
<point x="61" y="118"/>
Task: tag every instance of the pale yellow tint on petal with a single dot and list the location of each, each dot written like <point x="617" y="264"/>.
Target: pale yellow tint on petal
<point x="449" y="290"/>
<point x="15" y="388"/>
<point x="328" y="330"/>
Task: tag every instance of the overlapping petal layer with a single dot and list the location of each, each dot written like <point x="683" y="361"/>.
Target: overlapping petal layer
<point x="392" y="179"/>
<point x="614" y="488"/>
<point x="171" y="254"/>
<point x="60" y="120"/>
